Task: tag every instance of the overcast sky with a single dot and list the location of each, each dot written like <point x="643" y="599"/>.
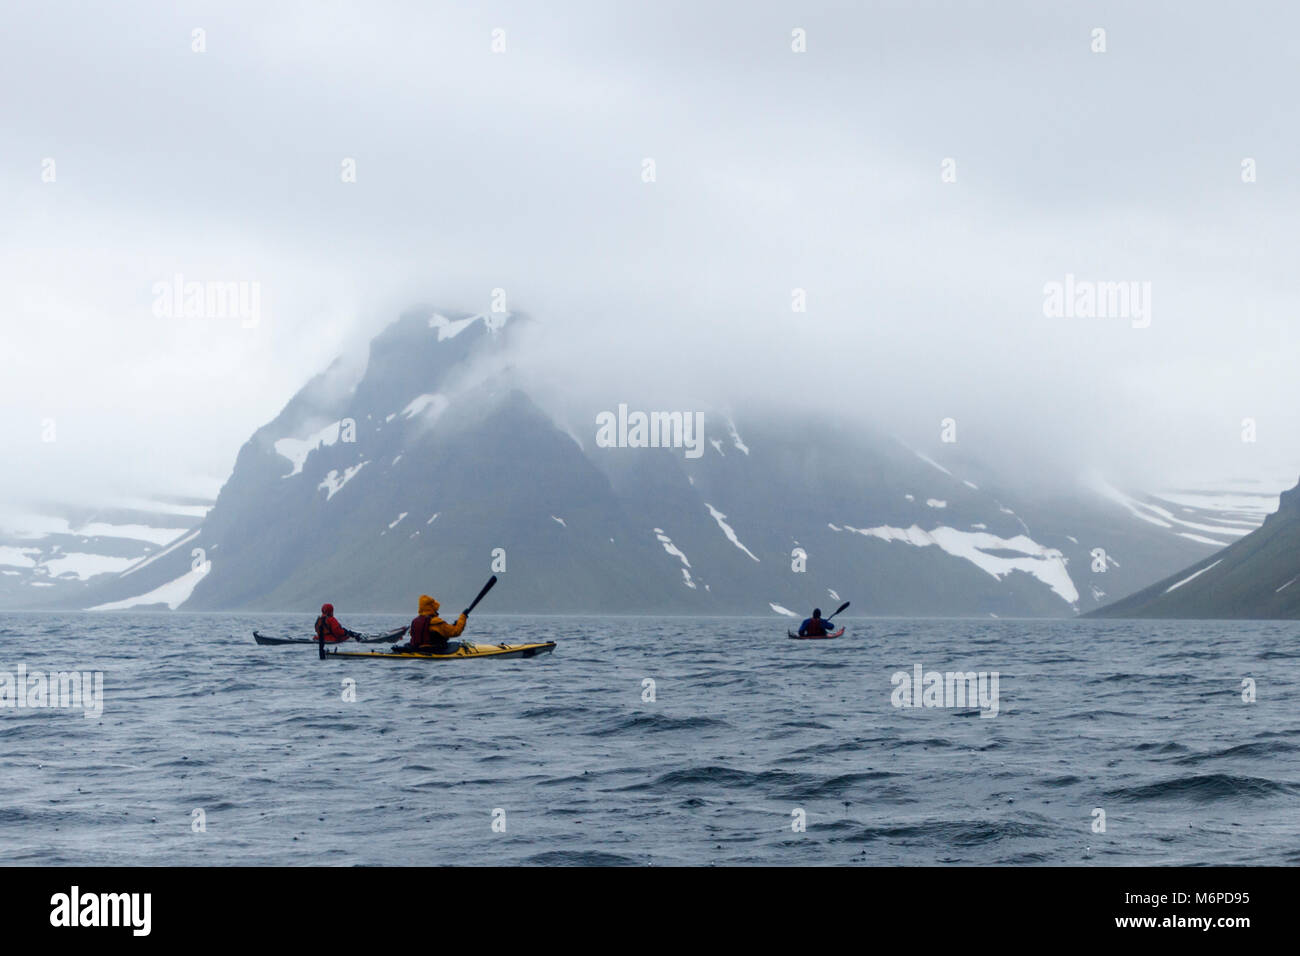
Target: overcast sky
<point x="775" y="170"/>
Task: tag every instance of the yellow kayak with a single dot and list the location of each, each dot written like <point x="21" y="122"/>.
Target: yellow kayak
<point x="463" y="651"/>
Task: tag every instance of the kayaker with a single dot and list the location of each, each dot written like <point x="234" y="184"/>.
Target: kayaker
<point x="814" y="626"/>
<point x="329" y="629"/>
<point x="429" y="632"/>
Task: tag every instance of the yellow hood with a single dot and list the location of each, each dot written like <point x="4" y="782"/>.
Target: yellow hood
<point x="428" y="605"/>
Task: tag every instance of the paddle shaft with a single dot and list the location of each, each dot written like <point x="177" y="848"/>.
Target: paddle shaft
<point x="841" y="608"/>
<point x="486" y="588"/>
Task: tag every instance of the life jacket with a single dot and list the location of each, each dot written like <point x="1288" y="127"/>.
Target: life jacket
<point x="422" y="635"/>
<point x="817" y="627"/>
<point x="326" y="633"/>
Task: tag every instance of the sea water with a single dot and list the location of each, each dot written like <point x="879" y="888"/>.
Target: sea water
<point x="654" y="742"/>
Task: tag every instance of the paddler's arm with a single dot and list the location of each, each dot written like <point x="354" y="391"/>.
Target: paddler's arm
<point x="450" y="630"/>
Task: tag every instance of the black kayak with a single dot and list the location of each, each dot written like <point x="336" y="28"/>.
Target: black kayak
<point x="387" y="637"/>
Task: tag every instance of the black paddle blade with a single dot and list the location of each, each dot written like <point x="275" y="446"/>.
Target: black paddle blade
<point x="840" y="608"/>
<point x="486" y="588"/>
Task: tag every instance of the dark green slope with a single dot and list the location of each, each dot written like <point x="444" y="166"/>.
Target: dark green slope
<point x="1258" y="577"/>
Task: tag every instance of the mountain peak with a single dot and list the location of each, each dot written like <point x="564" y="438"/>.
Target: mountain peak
<point x="1289" y="502"/>
<point x="425" y="325"/>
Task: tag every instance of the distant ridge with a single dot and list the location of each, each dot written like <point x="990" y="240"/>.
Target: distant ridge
<point x="1257" y="577"/>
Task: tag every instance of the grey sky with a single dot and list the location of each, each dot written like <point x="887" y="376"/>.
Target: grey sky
<point x="776" y="170"/>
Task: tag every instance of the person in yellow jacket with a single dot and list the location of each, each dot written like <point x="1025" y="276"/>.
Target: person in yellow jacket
<point x="429" y="632"/>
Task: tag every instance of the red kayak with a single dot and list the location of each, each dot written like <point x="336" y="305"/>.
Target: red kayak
<point x="811" y="637"/>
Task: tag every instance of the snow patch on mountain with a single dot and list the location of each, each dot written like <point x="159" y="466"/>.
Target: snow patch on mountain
<point x="735" y="437"/>
<point x="173" y="594"/>
<point x="85" y="566"/>
<point x="1191" y="577"/>
<point x="296" y="450"/>
<point x="1231" y="524"/>
<point x="1045" y="564"/>
<point x="781" y="610"/>
<point x="568" y="430"/>
<point x="166" y="507"/>
<point x="333" y="483"/>
<point x="30" y="526"/>
<point x="1202" y="539"/>
<point x="434" y="403"/>
<point x="931" y="461"/>
<point x="33" y="527"/>
<point x="1248" y="506"/>
<point x="719" y="517"/>
<point x="672" y="549"/>
<point x="136" y="532"/>
<point x="168" y="550"/>
<point x="18" y="557"/>
<point x="450" y="328"/>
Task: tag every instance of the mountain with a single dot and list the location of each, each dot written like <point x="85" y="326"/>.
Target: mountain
<point x="1256" y="577"/>
<point x="49" y="554"/>
<point x="437" y="465"/>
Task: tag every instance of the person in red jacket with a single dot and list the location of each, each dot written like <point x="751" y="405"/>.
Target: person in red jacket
<point x="429" y="632"/>
<point x="329" y="629"/>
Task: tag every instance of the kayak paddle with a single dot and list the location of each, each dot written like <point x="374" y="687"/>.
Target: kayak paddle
<point x="486" y="588"/>
<point x="841" y="608"/>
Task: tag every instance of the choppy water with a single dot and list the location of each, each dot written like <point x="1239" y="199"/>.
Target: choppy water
<point x="1143" y="720"/>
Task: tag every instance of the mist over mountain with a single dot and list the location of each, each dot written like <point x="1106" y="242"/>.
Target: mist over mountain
<point x="451" y="457"/>
<point x="923" y="297"/>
